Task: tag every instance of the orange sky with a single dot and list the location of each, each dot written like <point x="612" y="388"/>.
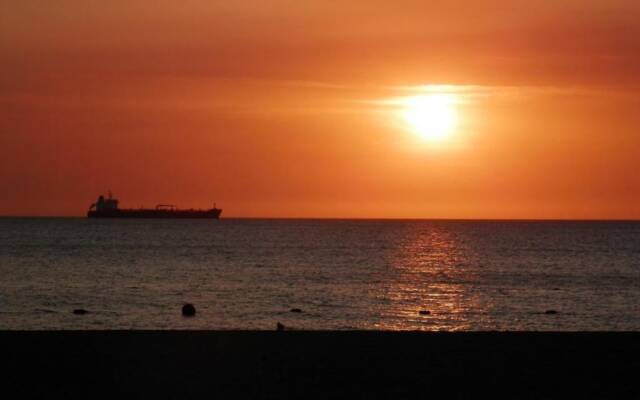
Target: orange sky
<point x="276" y="109"/>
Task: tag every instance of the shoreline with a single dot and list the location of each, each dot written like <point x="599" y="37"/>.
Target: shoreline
<point x="321" y="364"/>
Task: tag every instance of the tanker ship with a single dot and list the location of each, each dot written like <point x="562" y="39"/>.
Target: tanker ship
<point x="108" y="208"/>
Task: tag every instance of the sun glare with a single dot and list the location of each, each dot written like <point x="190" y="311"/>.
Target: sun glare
<point x="432" y="116"/>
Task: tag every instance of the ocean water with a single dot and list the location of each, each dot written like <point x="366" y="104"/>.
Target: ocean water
<point x="342" y="274"/>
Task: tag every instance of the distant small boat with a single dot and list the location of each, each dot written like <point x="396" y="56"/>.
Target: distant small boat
<point x="108" y="208"/>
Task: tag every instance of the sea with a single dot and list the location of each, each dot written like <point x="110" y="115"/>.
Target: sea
<point x="431" y="275"/>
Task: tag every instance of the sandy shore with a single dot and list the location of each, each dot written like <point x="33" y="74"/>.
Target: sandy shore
<point x="320" y="365"/>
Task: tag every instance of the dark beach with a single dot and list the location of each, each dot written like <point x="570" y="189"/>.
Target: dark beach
<point x="320" y="364"/>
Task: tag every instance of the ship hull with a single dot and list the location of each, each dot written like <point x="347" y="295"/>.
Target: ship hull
<point x="150" y="213"/>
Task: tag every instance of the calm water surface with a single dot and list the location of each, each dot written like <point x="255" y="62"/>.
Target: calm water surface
<point x="248" y="274"/>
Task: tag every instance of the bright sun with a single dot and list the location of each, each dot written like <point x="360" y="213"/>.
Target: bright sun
<point x="432" y="116"/>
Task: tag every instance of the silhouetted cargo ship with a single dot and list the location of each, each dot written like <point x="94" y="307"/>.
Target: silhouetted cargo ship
<point x="108" y="208"/>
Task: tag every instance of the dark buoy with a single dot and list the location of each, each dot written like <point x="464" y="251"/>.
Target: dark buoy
<point x="279" y="327"/>
<point x="296" y="310"/>
<point x="80" y="311"/>
<point x="551" y="312"/>
<point x="188" y="310"/>
<point x="424" y="312"/>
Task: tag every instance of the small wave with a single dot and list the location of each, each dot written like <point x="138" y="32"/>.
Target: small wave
<point x="45" y="311"/>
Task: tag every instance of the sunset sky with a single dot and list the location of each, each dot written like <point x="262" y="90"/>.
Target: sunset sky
<point x="303" y="108"/>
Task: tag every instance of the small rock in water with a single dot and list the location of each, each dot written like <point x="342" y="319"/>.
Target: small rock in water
<point x="424" y="312"/>
<point x="296" y="310"/>
<point x="550" y="312"/>
<point x="188" y="310"/>
<point x="280" y="327"/>
<point x="80" y="311"/>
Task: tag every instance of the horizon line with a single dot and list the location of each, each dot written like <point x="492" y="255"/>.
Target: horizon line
<point x="366" y="218"/>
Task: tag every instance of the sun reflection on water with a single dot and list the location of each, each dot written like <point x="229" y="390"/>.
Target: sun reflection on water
<point x="432" y="275"/>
